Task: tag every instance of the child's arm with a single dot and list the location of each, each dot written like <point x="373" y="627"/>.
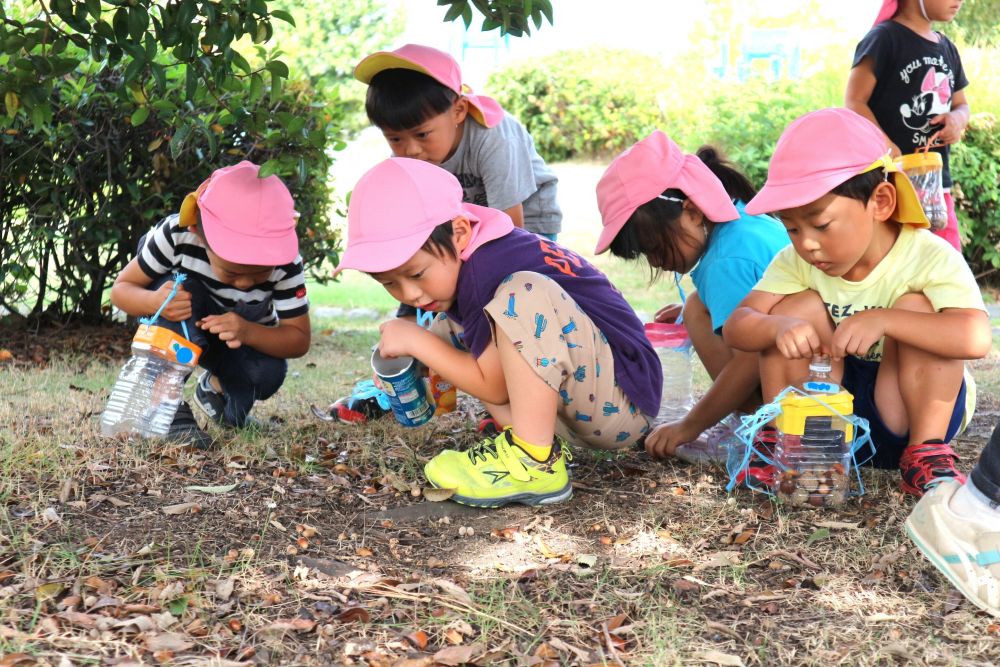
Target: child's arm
<point x="860" y="85"/>
<point x="516" y="214"/>
<point x="953" y="123"/>
<point x="288" y="340"/>
<point x="952" y="333"/>
<point x="752" y="328"/>
<point x="481" y="378"/>
<point x="130" y="293"/>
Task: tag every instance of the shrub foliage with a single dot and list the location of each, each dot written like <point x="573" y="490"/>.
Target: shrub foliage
<point x="100" y="148"/>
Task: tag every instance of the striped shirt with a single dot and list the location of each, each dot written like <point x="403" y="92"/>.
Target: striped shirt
<point x="170" y="248"/>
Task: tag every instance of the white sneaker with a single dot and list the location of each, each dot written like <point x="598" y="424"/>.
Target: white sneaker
<point x="712" y="446"/>
<point x="966" y="551"/>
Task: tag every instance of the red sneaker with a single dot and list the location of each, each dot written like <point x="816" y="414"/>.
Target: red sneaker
<point x="489" y="428"/>
<point x="763" y="473"/>
<point x="925" y="464"/>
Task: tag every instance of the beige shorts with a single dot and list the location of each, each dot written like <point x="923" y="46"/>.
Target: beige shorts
<point x="567" y="350"/>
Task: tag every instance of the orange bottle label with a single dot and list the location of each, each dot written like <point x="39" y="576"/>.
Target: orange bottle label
<point x="168" y="344"/>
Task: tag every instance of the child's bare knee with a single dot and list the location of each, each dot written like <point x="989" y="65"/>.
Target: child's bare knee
<point x="804" y="305"/>
<point x="915" y="301"/>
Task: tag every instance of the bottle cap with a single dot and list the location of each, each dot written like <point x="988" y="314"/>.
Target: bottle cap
<point x="820" y="363"/>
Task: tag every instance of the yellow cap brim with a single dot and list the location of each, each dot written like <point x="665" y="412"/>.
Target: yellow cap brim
<point x="384" y="60"/>
<point x="908" y="208"/>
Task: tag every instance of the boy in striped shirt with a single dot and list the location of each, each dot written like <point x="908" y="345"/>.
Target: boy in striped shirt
<point x="244" y="296"/>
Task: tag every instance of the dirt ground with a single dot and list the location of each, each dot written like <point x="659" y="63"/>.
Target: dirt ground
<point x="313" y="543"/>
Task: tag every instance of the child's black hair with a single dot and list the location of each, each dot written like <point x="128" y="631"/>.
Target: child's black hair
<point x="860" y="187"/>
<point x="441" y="242"/>
<point x="653" y="229"/>
<point x="401" y="99"/>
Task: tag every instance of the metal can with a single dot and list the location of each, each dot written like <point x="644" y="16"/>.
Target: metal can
<point x="400" y="379"/>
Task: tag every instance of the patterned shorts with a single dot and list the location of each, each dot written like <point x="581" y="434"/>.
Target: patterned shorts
<point x="569" y="353"/>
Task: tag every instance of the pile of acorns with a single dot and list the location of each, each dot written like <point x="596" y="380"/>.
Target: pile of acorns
<point x="816" y="486"/>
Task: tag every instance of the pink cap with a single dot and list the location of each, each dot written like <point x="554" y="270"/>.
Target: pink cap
<point x="643" y="172"/>
<point x="395" y="207"/>
<point x="822" y="149"/>
<point x="439" y="66"/>
<point x="246" y="219"/>
<point x="886" y="11"/>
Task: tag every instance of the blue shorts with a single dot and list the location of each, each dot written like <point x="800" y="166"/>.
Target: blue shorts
<point x="859" y="379"/>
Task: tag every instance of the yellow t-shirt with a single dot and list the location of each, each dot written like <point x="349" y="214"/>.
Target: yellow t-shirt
<point x="918" y="262"/>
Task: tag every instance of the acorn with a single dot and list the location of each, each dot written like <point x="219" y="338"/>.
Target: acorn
<point x="799" y="497"/>
<point x="816" y="500"/>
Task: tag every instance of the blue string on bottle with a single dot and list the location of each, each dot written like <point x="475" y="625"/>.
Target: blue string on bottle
<point x="741" y="453"/>
<point x="178" y="279"/>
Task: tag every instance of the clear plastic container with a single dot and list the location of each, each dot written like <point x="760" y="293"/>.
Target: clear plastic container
<point x="924" y="169"/>
<point x="814" y="441"/>
<point x="673" y="347"/>
<point x="150" y="386"/>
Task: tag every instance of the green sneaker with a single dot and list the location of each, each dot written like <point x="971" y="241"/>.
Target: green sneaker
<point x="966" y="552"/>
<point x="496" y="472"/>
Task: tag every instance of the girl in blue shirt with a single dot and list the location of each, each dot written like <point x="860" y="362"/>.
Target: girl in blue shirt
<point x="685" y="213"/>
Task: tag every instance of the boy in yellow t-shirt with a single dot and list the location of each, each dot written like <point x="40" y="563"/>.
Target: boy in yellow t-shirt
<point x="896" y="307"/>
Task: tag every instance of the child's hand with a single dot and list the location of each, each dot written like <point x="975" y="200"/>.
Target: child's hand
<point x="662" y="441"/>
<point x="856" y="334"/>
<point x="894" y="151"/>
<point x="669" y="313"/>
<point x="179" y="308"/>
<point x="395" y="337"/>
<point x="797" y="339"/>
<point x="229" y="327"/>
<point x="951" y="127"/>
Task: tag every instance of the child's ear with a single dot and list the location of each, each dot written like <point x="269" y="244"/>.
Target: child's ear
<point x="460" y="110"/>
<point x="461" y="233"/>
<point x="692" y="209"/>
<point x="883" y="201"/>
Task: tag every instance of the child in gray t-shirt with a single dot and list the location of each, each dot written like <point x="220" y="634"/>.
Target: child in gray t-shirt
<point x="416" y="97"/>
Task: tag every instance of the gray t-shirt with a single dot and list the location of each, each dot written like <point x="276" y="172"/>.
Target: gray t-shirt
<point x="500" y="168"/>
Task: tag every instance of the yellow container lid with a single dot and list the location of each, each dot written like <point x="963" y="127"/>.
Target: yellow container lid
<point x="168" y="344"/>
<point x="921" y="160"/>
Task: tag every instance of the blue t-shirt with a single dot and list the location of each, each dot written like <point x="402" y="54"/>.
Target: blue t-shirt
<point x="637" y="368"/>
<point x="737" y="254"/>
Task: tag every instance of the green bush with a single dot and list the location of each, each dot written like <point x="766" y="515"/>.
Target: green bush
<point x="975" y="166"/>
<point x="76" y="193"/>
<point x="584" y="103"/>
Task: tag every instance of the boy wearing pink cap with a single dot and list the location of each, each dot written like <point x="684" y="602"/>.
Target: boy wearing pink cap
<point x="908" y="79"/>
<point x="417" y="98"/>
<point x="686" y="213"/>
<point x="896" y="306"/>
<point x="243" y="300"/>
<point x="547" y="338"/>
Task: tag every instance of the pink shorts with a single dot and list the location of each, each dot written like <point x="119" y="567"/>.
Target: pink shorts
<point x="950" y="232"/>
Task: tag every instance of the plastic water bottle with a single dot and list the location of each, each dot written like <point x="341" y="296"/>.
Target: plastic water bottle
<point x="814" y="440"/>
<point x="150" y="386"/>
<point x="673" y="347"/>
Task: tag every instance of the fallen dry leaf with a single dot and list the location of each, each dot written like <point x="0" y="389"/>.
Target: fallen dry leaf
<point x="48" y="591"/>
<point x="282" y="626"/>
<point x="838" y="525"/>
<point x="181" y="508"/>
<point x="719" y="658"/>
<point x="364" y="552"/>
<point x="454" y="655"/>
<point x="418" y="638"/>
<point x="224" y="588"/>
<point x="225" y="488"/>
<point x="351" y="614"/>
<point x="166" y="641"/>
<point x="437" y="495"/>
